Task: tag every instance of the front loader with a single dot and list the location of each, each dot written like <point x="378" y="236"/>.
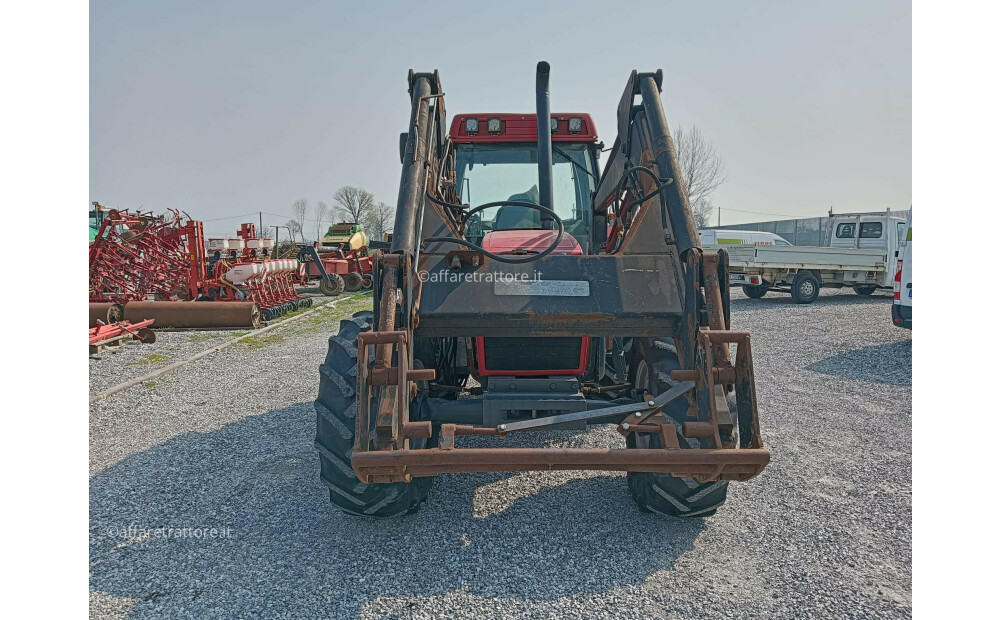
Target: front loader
<point x="525" y="290"/>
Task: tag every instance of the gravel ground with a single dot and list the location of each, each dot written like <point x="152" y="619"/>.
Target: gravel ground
<point x="226" y="443"/>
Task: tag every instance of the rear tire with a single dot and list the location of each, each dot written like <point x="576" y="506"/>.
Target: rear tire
<point x="335" y="430"/>
<point x="331" y="286"/>
<point x="353" y="282"/>
<point x="805" y="288"/>
<point x="864" y="289"/>
<point x="755" y="291"/>
<point x="662" y="493"/>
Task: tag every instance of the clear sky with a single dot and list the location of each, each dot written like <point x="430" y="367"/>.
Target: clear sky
<point x="228" y="108"/>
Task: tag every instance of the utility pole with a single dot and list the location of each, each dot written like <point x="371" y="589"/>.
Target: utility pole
<point x="720" y="216"/>
<point x="260" y="214"/>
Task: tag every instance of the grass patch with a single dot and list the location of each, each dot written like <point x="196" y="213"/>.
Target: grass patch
<point x="152" y="358"/>
<point x="149" y="384"/>
<point x="259" y="342"/>
<point x="331" y="314"/>
<point x="204" y="337"/>
<point x="295" y="312"/>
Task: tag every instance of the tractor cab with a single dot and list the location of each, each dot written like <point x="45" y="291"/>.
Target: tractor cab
<point x="496" y="160"/>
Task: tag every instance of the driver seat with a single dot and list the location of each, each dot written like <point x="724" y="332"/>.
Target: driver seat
<point x="513" y="217"/>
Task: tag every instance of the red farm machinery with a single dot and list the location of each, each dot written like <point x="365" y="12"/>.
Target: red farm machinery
<point x="340" y="261"/>
<point x="142" y="258"/>
<point x="520" y="314"/>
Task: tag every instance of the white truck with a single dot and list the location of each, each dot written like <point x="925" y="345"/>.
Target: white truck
<point x="858" y="253"/>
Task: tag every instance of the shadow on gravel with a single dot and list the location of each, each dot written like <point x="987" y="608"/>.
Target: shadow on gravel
<point x="884" y="363"/>
<point x="838" y="298"/>
<point x="513" y="537"/>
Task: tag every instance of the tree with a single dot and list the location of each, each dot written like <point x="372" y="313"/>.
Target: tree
<point x="379" y="220"/>
<point x="703" y="171"/>
<point x="294" y="228"/>
<point x="322" y="211"/>
<point x="352" y="203"/>
<point x="299" y="209"/>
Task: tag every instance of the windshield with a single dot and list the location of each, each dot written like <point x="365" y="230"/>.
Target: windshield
<point x="496" y="172"/>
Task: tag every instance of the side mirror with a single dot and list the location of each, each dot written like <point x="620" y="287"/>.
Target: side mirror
<point x="402" y="145"/>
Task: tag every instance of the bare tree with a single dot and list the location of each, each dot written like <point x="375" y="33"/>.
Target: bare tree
<point x="703" y="170"/>
<point x="379" y="220"/>
<point x="299" y="210"/>
<point x="352" y="203"/>
<point x="322" y="212"/>
<point x="294" y="228"/>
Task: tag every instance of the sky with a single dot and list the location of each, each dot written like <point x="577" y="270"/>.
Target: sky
<point x="227" y="109"/>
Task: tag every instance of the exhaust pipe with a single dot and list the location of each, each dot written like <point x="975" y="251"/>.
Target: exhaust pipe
<point x="542" y="114"/>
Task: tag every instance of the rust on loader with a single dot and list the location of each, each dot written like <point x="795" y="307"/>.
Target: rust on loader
<point x="540" y="310"/>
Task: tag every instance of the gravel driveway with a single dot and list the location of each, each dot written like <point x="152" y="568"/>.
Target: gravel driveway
<point x="227" y="443"/>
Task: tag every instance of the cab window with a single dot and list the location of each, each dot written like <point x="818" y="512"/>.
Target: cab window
<point x="871" y="230"/>
<point x="845" y="231"/>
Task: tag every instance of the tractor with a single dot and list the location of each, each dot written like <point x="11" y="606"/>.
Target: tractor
<point x="518" y="313"/>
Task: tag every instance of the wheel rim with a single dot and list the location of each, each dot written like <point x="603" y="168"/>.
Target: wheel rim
<point x="807" y="289"/>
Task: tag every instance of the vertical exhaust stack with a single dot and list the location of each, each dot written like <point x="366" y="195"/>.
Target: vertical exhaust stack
<point x="543" y="116"/>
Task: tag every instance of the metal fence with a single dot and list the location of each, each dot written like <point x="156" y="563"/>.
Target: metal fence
<point x="815" y="231"/>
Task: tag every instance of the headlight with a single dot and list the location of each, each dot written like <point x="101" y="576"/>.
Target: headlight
<point x="575" y="124"/>
<point x="493" y="125"/>
<point x="554" y="124"/>
<point x="472" y="126"/>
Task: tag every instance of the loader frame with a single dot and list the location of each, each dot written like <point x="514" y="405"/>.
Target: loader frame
<point x="655" y="281"/>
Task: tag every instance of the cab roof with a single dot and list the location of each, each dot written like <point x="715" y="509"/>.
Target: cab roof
<point x="520" y="128"/>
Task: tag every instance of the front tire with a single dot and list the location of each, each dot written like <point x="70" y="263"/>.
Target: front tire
<point x="335" y="430"/>
<point x="662" y="493"/>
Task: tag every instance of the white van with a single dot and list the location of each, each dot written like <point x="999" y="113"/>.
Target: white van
<point x="902" y="289"/>
<point x="740" y="237"/>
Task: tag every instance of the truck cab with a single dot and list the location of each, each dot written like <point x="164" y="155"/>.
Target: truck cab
<point x="870" y="232"/>
<point x="867" y="231"/>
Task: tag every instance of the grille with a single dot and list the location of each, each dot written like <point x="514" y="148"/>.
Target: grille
<point x="532" y="354"/>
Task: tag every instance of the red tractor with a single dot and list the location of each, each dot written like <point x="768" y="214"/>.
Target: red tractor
<point x="520" y="314"/>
